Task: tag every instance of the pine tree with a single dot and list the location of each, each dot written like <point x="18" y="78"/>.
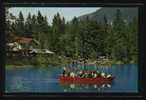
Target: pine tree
<point x="20" y="29"/>
<point x="133" y="40"/>
<point x="28" y="25"/>
<point x="57" y="30"/>
<point x="39" y="28"/>
<point x="119" y="49"/>
<point x="34" y="26"/>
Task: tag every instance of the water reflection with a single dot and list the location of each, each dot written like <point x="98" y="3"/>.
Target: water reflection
<point x="84" y="87"/>
<point x="19" y="85"/>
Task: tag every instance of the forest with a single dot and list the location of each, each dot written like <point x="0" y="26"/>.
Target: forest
<point x="80" y="38"/>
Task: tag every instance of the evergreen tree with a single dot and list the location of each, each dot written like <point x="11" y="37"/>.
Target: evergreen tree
<point x="133" y="40"/>
<point x="119" y="51"/>
<point x="46" y="33"/>
<point x="28" y="25"/>
<point x="20" y="29"/>
<point x="92" y="34"/>
<point x="41" y="23"/>
<point x="75" y="35"/>
<point x="57" y="30"/>
<point x="105" y="23"/>
<point x="34" y="26"/>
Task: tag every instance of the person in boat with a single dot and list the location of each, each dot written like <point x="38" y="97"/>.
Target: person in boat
<point x="108" y="76"/>
<point x="94" y="75"/>
<point x="103" y="74"/>
<point x="84" y="74"/>
<point x="90" y="74"/>
<point x="72" y="74"/>
<point x="87" y="75"/>
<point x="98" y="73"/>
<point x="80" y="73"/>
<point x="65" y="72"/>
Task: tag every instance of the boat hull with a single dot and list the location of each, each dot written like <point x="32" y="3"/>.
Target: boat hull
<point x="80" y="80"/>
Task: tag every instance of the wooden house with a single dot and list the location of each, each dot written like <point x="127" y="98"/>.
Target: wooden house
<point x="24" y="46"/>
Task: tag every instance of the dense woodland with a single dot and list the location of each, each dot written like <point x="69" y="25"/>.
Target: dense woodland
<point x="81" y="38"/>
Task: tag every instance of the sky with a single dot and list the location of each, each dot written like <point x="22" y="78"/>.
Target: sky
<point x="67" y="12"/>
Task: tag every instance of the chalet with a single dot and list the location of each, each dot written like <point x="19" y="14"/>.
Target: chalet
<point x="26" y="46"/>
<point x="27" y="43"/>
<point x="22" y="43"/>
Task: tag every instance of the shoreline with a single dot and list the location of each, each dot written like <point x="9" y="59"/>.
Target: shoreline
<point x="40" y="62"/>
<point x="12" y="66"/>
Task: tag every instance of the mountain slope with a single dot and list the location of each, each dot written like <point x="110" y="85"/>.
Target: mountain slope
<point x="127" y="13"/>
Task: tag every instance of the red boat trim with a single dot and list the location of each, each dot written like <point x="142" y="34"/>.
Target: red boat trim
<point x="97" y="80"/>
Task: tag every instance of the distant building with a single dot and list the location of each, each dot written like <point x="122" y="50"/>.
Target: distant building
<point x="27" y="43"/>
<point x="26" y="46"/>
<point x="13" y="46"/>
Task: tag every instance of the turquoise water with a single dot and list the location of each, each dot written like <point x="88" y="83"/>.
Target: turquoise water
<point x="37" y="79"/>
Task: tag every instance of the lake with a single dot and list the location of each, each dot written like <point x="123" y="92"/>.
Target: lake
<point x="44" y="79"/>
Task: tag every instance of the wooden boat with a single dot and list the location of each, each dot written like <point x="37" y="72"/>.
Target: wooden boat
<point x="80" y="80"/>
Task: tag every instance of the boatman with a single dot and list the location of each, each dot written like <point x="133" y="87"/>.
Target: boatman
<point x="64" y="70"/>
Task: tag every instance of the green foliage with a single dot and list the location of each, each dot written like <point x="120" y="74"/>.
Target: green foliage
<point x="20" y="28"/>
<point x="28" y="25"/>
<point x="81" y="38"/>
<point x="58" y="29"/>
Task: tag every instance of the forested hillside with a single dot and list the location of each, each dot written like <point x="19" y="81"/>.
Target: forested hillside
<point x="83" y="38"/>
<point x="109" y="12"/>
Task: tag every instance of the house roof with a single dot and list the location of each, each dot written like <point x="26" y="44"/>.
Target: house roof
<point x="42" y="51"/>
<point x="25" y="40"/>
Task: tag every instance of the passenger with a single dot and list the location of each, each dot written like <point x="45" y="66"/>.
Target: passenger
<point x="103" y="74"/>
<point x="86" y="75"/>
<point x="83" y="74"/>
<point x="90" y="75"/>
<point x="72" y="74"/>
<point x="64" y="70"/>
<point x="97" y="73"/>
<point x="108" y="76"/>
<point x="80" y="73"/>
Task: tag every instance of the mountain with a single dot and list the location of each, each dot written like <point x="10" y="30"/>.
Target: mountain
<point x="127" y="13"/>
